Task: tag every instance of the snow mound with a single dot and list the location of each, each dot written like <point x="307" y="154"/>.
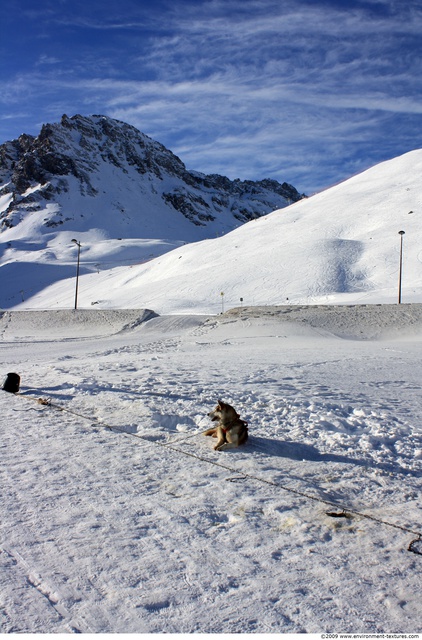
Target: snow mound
<point x="64" y="324"/>
<point x="361" y="322"/>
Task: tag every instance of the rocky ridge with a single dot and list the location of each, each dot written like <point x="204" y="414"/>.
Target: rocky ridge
<point x="72" y="163"/>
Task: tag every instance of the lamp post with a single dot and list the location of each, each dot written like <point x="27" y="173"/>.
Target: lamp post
<point x="77" y="272"/>
<point x="401" y="234"/>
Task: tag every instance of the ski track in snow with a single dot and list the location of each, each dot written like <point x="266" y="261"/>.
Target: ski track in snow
<point x="105" y="532"/>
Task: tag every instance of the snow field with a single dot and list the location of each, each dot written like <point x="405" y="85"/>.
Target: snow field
<point x="107" y="532"/>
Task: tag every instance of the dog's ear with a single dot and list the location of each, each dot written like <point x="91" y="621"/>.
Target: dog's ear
<point x="221" y="403"/>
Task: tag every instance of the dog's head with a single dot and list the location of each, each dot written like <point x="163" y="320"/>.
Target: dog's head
<point x="223" y="412"/>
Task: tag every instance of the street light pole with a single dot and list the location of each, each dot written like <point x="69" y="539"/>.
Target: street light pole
<point x="401" y="234"/>
<point x="77" y="272"/>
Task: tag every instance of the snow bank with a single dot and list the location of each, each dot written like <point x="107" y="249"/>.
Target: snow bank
<point x="362" y="322"/>
<point x="81" y="323"/>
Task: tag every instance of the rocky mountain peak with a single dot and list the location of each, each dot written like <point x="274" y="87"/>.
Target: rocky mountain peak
<point x="85" y="158"/>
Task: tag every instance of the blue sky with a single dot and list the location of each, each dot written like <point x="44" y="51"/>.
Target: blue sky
<point x="304" y="91"/>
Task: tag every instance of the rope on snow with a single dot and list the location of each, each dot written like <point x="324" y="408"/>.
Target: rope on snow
<point x="415" y="546"/>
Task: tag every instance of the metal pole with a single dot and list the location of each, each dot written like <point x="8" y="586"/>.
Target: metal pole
<point x="401" y="233"/>
<point x="77" y="272"/>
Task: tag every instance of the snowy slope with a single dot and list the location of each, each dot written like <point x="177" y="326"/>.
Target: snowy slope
<point x="123" y="195"/>
<point x="146" y="529"/>
<point x="340" y="246"/>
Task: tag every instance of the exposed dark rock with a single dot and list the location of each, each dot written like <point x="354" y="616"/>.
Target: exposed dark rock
<point x="101" y="153"/>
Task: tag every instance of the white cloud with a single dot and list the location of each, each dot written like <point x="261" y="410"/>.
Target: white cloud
<point x="246" y="88"/>
<point x="46" y="59"/>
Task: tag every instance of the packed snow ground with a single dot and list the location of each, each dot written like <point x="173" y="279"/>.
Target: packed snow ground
<point x="153" y="531"/>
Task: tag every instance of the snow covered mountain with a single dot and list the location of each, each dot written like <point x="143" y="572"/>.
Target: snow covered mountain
<point x="123" y="196"/>
<point x="96" y="172"/>
<point x="341" y="246"/>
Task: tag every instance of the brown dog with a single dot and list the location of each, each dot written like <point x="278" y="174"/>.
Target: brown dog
<point x="231" y="431"/>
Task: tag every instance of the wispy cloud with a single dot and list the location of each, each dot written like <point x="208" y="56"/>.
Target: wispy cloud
<point x="302" y="90"/>
<point x="45" y="59"/>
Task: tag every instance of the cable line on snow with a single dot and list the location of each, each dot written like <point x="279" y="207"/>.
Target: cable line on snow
<point x="415" y="546"/>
